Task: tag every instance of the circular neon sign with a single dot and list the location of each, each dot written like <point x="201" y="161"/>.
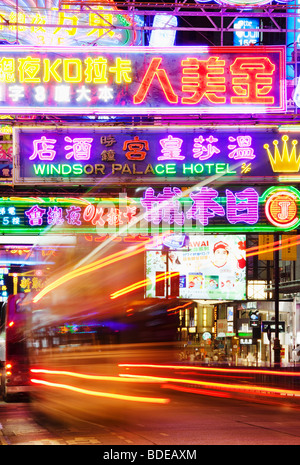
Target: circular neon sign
<point x="281" y="209"/>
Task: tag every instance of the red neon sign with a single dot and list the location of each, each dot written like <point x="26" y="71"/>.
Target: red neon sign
<point x="143" y="80"/>
<point x="281" y="209"/>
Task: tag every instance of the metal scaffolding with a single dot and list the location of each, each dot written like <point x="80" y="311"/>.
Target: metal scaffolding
<point x="206" y="24"/>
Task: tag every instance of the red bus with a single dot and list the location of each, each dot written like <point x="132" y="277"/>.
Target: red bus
<point x="13" y="348"/>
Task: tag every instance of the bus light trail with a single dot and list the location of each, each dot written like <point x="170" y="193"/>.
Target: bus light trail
<point x="293" y="240"/>
<point x="89" y="268"/>
<point x="79" y="375"/>
<point x="153" y="400"/>
<point x="143" y="283"/>
<point x="212" y="369"/>
<point x="261" y="390"/>
<point x="141" y="248"/>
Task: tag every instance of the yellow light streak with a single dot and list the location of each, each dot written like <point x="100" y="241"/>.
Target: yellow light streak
<point x="80" y="375"/>
<point x="142" y="283"/>
<point x="154" y="400"/>
<point x="87" y="269"/>
<point x="230" y="387"/>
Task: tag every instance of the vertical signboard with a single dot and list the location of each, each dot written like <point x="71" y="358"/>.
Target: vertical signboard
<point x="265" y="244"/>
<point x="289" y="247"/>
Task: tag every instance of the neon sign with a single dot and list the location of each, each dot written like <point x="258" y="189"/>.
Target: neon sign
<point x="206" y="208"/>
<point x="69" y="27"/>
<point x="245" y="35"/>
<point x="168" y="209"/>
<point x="140" y="80"/>
<point x="282" y="210"/>
<point x="152" y="155"/>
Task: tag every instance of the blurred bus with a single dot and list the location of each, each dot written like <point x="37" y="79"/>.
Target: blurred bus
<point x="15" y="375"/>
<point x="78" y="336"/>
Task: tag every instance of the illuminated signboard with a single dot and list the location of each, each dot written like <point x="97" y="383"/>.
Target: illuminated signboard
<point x="246" y="33"/>
<point x="292" y="39"/>
<point x="192" y="211"/>
<point x="154" y="155"/>
<point x="42" y="24"/>
<point x="164" y="37"/>
<point x="6" y="169"/>
<point x="213" y="267"/>
<point x="142" y="80"/>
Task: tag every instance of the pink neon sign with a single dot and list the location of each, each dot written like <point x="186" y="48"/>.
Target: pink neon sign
<point x="241" y="207"/>
<point x="141" y="80"/>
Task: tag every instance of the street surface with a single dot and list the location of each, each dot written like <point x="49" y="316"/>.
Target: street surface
<point x="188" y="420"/>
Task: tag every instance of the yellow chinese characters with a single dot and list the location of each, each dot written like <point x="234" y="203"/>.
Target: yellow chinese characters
<point x="64" y="70"/>
<point x="7" y="70"/>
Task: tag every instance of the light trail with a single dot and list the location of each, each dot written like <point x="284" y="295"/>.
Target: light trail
<point x="78" y="375"/>
<point x="212" y="369"/>
<point x="272" y="246"/>
<point x="87" y="269"/>
<point x="152" y="400"/>
<point x="143" y="283"/>
<point x="139" y="249"/>
<point x="228" y="387"/>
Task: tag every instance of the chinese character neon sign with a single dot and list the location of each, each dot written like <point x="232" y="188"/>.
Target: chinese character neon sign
<point x="158" y="210"/>
<point x="151" y="156"/>
<point x="123" y="81"/>
<point x="279" y="206"/>
<point x="69" y="26"/>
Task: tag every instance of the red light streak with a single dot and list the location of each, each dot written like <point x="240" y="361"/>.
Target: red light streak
<point x="272" y="246"/>
<point x="179" y="307"/>
<point x="262" y="390"/>
<point x="212" y="369"/>
<point x="205" y="392"/>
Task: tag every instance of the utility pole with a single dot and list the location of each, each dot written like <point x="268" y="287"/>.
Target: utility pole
<point x="276" y="301"/>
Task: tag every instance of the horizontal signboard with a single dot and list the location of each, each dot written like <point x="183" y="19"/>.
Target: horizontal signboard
<point x="156" y="211"/>
<point x="271" y="326"/>
<point x="149" y="155"/>
<point x="211" y="267"/>
<point x="142" y="80"/>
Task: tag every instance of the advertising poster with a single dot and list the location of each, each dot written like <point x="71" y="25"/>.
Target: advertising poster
<point x="210" y="267"/>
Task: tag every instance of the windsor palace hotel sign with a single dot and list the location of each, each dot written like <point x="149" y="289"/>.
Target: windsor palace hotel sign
<point x="142" y="80"/>
<point x="251" y="179"/>
<point x="160" y="155"/>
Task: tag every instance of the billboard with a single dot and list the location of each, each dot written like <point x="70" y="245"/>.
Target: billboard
<point x="246" y="31"/>
<point x="50" y="23"/>
<point x="156" y="212"/>
<point x="154" y="155"/>
<point x="142" y="80"/>
<point x="211" y="267"/>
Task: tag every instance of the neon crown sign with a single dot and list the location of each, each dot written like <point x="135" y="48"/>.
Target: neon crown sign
<point x="287" y="161"/>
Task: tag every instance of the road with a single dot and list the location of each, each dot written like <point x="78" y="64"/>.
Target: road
<point x="188" y="420"/>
